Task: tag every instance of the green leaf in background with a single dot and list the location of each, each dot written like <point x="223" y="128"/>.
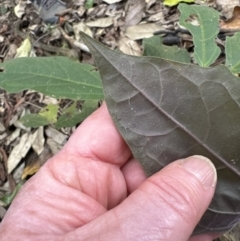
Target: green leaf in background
<point x="154" y="47"/>
<point x="232" y="50"/>
<point x="72" y="116"/>
<point x="167" y="110"/>
<point x="59" y="77"/>
<point x="88" y="108"/>
<point x="50" y="112"/>
<point x="34" y="120"/>
<point x="8" y="198"/>
<point x="171" y="3"/>
<point x="89" y="4"/>
<point x="3" y="9"/>
<point x="202" y="22"/>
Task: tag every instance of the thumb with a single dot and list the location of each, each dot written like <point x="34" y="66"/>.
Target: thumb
<point x="167" y="206"/>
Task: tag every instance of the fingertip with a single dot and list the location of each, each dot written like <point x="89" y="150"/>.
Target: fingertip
<point x="202" y="168"/>
<point x="177" y="196"/>
<point x="97" y="138"/>
<point x="134" y="174"/>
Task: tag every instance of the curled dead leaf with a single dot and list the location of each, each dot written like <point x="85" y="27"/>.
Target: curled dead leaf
<point x="129" y="46"/>
<point x="234" y="21"/>
<point x="134" y="12"/>
<point x="142" y="31"/>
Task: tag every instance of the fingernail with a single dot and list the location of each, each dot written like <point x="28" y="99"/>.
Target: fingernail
<point x="202" y="168"/>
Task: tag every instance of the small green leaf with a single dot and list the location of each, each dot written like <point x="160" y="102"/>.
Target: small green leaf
<point x="89" y="107"/>
<point x="34" y="120"/>
<point x="232" y="50"/>
<point x="154" y="47"/>
<point x="59" y="77"/>
<point x="8" y="198"/>
<point x="71" y="109"/>
<point x="202" y="22"/>
<point x="72" y="116"/>
<point x="171" y="3"/>
<point x="50" y="113"/>
<point x="3" y="9"/>
<point x="89" y="4"/>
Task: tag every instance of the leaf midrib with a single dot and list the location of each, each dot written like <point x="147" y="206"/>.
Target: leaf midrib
<point x="46" y="76"/>
<point x="168" y="116"/>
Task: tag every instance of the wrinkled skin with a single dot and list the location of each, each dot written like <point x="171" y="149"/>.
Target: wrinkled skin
<point x="93" y="189"/>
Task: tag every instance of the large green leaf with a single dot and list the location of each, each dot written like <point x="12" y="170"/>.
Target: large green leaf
<point x="167" y="110"/>
<point x="154" y="47"/>
<point x="54" y="76"/>
<point x="202" y="22"/>
<point x="232" y="50"/>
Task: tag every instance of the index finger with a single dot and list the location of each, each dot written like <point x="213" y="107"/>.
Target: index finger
<point x="97" y="138"/>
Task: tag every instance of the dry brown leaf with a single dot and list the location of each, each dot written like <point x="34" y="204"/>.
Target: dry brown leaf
<point x="2" y="127"/>
<point x="81" y="11"/>
<point x="47" y="100"/>
<point x="99" y="32"/>
<point x="53" y="146"/>
<point x="81" y="27"/>
<point x="19" y="151"/>
<point x="56" y="135"/>
<point x="2" y="171"/>
<point x="142" y="31"/>
<point x="156" y="17"/>
<point x="17" y="174"/>
<point x="13" y="136"/>
<point x="3" y="136"/>
<point x="19" y="9"/>
<point x="27" y="140"/>
<point x="55" y="34"/>
<point x="55" y="140"/>
<point x="101" y="22"/>
<point x="149" y="3"/>
<point x="111" y="1"/>
<point x="38" y="140"/>
<point x="129" y="46"/>
<point x="97" y="12"/>
<point x="234" y="22"/>
<point x="35" y="162"/>
<point x="2" y="38"/>
<point x="31" y="169"/>
<point x="227" y="7"/>
<point x="11" y="52"/>
<point x="134" y="12"/>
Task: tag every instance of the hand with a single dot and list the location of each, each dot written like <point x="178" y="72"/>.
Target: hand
<point x="93" y="189"/>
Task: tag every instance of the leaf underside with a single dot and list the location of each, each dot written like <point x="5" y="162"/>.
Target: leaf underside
<point x="166" y="110"/>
